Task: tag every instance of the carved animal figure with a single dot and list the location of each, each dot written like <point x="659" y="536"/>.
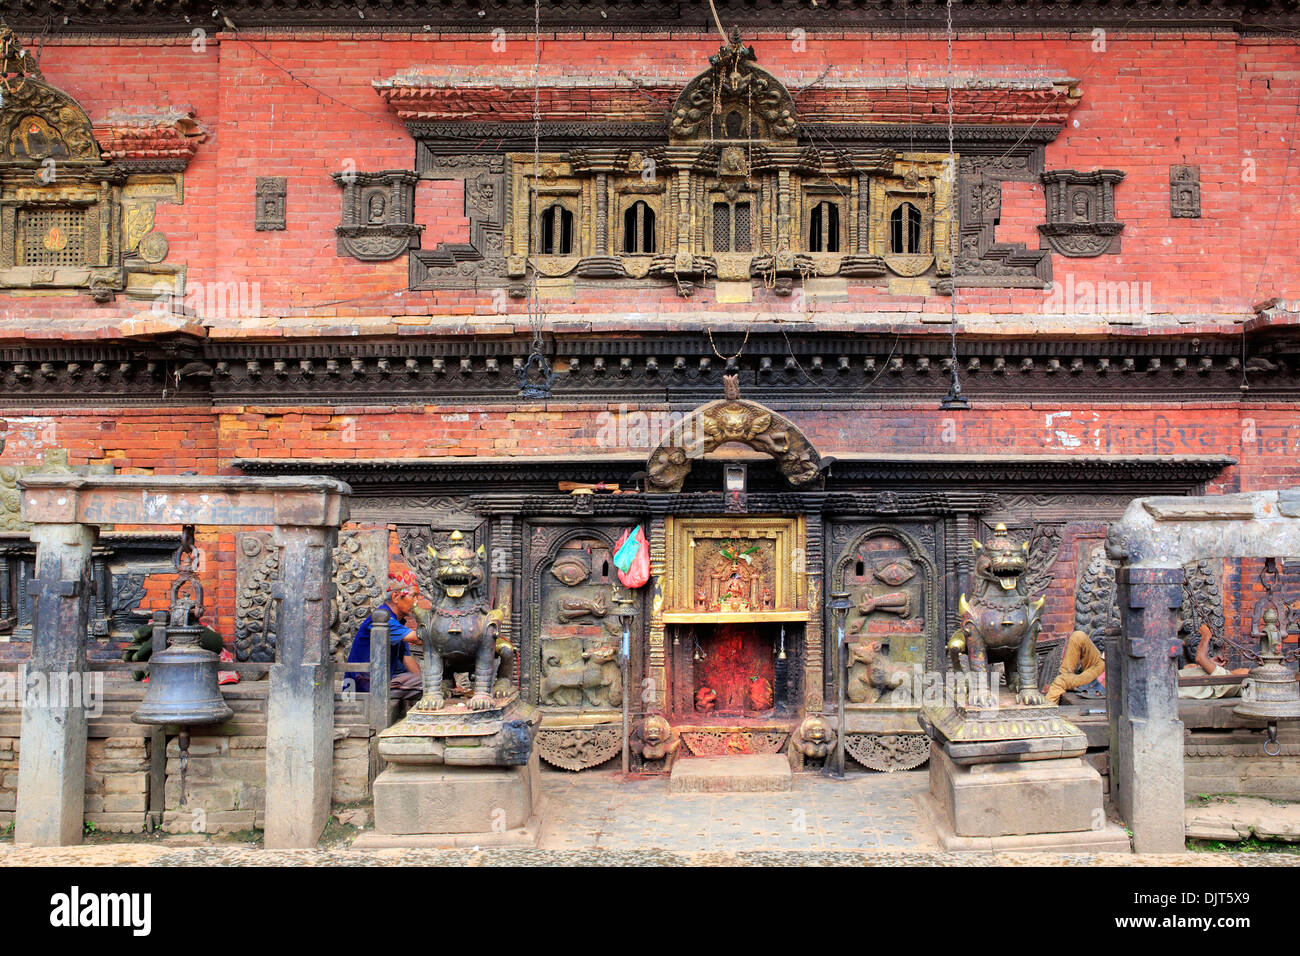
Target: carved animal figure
<point x="1001" y="622"/>
<point x="874" y="674"/>
<point x="460" y="635"/>
<point x="598" y="670"/>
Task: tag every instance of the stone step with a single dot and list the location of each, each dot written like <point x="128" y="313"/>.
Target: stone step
<point x="741" y="773"/>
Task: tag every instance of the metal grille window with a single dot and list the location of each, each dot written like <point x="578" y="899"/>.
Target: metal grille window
<point x="732" y="226"/>
<point x="824" y="228"/>
<point x="53" y="237"/>
<point x="555" y="237"/>
<point x="638" y="229"/>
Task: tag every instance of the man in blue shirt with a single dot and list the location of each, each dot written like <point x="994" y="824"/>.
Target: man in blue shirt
<point x="403" y="669"/>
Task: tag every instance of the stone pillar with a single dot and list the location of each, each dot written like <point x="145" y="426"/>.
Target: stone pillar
<point x="52" y="759"/>
<point x="300" y="711"/>
<point x="814" y="644"/>
<point x="1146" y="735"/>
<point x="656" y="668"/>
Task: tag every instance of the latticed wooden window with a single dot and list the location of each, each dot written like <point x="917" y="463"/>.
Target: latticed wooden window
<point x="905" y="230"/>
<point x="732" y="224"/>
<point x="638" y="229"/>
<point x="555" y="237"/>
<point x="824" y="228"/>
<point x="53" y="236"/>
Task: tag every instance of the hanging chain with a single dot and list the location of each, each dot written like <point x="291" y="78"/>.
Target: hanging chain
<point x="954" y="399"/>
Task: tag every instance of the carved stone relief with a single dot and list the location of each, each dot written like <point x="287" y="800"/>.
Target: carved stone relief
<point x="888" y="752"/>
<point x="579" y="748"/>
<point x="453" y="265"/>
<point x="1185" y="192"/>
<point x="269" y="212"/>
<point x="576" y="635"/>
<point x="981" y="260"/>
<point x="1081" y="219"/>
<point x="892" y="626"/>
<point x="718" y="423"/>
<point x="378" y="210"/>
<point x="360" y="579"/>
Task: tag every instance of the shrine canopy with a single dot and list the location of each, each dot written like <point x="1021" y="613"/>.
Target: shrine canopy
<point x="733" y="420"/>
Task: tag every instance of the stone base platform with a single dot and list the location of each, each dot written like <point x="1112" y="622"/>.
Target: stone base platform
<point x="1110" y="839"/>
<point x="741" y="773"/>
<point x="1054" y="804"/>
<point x="440" y="805"/>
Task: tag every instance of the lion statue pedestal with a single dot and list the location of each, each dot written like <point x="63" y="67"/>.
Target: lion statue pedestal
<point x="459" y="776"/>
<point x="1007" y="776"/>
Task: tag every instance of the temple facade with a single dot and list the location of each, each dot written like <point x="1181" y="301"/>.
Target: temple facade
<point x="816" y="296"/>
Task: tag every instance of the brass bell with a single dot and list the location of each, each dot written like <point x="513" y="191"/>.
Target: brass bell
<point x="1274" y="695"/>
<point x="183" y="686"/>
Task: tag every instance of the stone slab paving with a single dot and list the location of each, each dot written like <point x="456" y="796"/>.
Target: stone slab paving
<point x="599" y="819"/>
<point x="1239" y="818"/>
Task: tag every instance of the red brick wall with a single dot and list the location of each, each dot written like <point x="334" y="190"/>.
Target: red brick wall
<point x="304" y="108"/>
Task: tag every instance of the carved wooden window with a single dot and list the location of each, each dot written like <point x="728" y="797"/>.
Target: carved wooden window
<point x="639" y="229"/>
<point x="555" y="233"/>
<point x="824" y="228"/>
<point x="905" y="230"/>
<point x="52" y="236"/>
<point x="732" y="227"/>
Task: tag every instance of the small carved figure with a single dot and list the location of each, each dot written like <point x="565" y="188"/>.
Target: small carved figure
<point x="893" y="602"/>
<point x="760" y="694"/>
<point x="815" y="739"/>
<point x="570" y="609"/>
<point x="377" y="206"/>
<point x="706" y="700"/>
<point x="655" y="740"/>
<point x="871" y="673"/>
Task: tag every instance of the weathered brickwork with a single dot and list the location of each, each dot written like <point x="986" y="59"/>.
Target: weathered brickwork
<point x="304" y="108"/>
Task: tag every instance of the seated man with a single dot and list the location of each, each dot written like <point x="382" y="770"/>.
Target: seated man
<point x="1083" y="670"/>
<point x="1207" y="666"/>
<point x="403" y="669"/>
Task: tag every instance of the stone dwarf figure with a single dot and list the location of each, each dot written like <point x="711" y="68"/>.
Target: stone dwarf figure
<point x="811" y="743"/>
<point x="656" y="743"/>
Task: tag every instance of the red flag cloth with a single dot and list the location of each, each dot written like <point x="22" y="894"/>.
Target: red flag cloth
<point x="638" y="573"/>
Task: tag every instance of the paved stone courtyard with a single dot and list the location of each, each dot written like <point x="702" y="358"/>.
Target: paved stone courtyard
<point x="598" y="819"/>
<point x="862" y="812"/>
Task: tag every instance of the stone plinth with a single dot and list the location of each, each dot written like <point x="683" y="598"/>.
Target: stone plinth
<point x="1013" y="777"/>
<point x="440" y="805"/>
<point x="742" y="773"/>
<point x="459" y="777"/>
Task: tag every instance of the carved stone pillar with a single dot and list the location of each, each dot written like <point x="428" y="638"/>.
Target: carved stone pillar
<point x="783" y="210"/>
<point x="864" y="214"/>
<point x="814" y="643"/>
<point x="602" y="214"/>
<point x="1146" y="736"/>
<point x="683" y="212"/>
<point x="52" y="757"/>
<point x="300" y="750"/>
<point x="655" y="668"/>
